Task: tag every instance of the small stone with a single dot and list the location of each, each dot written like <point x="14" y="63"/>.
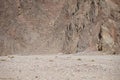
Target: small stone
<point x="79" y="59"/>
<point x="36" y="76"/>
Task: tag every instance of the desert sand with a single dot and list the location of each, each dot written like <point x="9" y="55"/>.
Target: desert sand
<point x="60" y="67"/>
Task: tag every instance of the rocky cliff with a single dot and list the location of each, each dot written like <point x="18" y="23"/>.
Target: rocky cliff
<point x="53" y="26"/>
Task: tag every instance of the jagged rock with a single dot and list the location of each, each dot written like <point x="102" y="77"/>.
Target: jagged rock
<point x="54" y="26"/>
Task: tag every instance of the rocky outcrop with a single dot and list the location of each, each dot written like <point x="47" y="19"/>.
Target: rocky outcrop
<point x="53" y="26"/>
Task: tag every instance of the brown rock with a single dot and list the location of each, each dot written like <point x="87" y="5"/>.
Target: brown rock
<point x="53" y="26"/>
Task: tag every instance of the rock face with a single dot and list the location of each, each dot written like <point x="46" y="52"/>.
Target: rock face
<point x="53" y="26"/>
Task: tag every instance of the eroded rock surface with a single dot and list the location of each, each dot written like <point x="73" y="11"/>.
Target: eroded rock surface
<point x="53" y="26"/>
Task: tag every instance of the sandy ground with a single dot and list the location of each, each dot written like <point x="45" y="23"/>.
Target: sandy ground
<point x="59" y="67"/>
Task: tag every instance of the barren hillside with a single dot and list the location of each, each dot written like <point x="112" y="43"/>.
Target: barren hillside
<point x="53" y="26"/>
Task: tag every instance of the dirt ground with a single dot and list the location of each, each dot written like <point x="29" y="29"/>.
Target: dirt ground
<point x="59" y="67"/>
